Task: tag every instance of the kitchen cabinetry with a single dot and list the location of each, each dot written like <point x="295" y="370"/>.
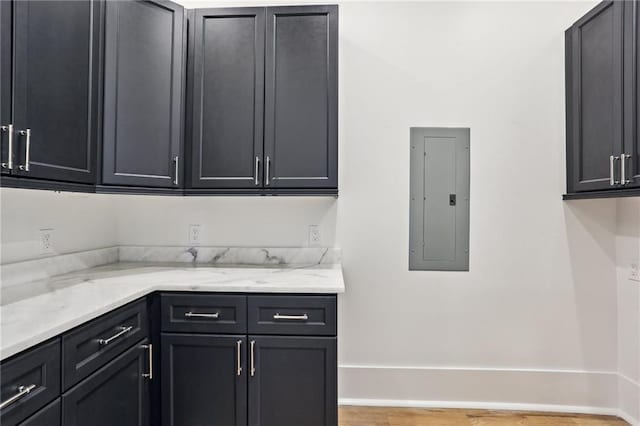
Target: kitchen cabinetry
<point x="292" y="381"/>
<point x="48" y="416"/>
<point x="226" y="108"/>
<point x="285" y="374"/>
<point x="631" y="153"/>
<point x="6" y="126"/>
<point x="117" y="394"/>
<point x="144" y="74"/>
<point x="54" y="53"/>
<point x="292" y="84"/>
<point x="204" y="379"/>
<point x="602" y="95"/>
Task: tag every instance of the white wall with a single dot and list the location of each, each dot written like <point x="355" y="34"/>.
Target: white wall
<point x="537" y="311"/>
<point x="535" y="319"/>
<point x="628" y="252"/>
<point x="80" y="222"/>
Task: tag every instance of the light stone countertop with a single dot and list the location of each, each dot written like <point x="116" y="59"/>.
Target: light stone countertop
<point x="34" y="312"/>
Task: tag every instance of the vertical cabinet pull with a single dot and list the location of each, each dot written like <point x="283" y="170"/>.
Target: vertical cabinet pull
<point x="253" y="358"/>
<point x="612" y="171"/>
<point x="27" y="147"/>
<point x="239" y="357"/>
<point x="149" y="347"/>
<point x="9" y="129"/>
<point x="623" y="169"/>
<point x="266" y="172"/>
<point x="176" y="161"/>
<point x="257" y="169"/>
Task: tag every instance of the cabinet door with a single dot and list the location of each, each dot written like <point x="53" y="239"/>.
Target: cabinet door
<point x="226" y="98"/>
<point x="117" y="394"/>
<point x="204" y="380"/>
<point x="6" y="12"/>
<point x="632" y="87"/>
<point x="294" y="382"/>
<point x="48" y="416"/>
<point x="594" y="97"/>
<point x="301" y="97"/>
<point x="144" y="59"/>
<point x="56" y="88"/>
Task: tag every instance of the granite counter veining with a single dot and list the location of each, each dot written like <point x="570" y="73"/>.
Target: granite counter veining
<point x="34" y="312"/>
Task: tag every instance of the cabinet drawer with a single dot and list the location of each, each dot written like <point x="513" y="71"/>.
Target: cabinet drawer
<point x="297" y="315"/>
<point x="204" y="313"/>
<point x="29" y="381"/>
<point x="92" y="345"/>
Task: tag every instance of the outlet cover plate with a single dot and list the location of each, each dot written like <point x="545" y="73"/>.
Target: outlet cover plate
<point x="195" y="235"/>
<point x="46" y="240"/>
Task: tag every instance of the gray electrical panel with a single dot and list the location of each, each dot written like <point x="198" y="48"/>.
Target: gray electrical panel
<point x="439" y="204"/>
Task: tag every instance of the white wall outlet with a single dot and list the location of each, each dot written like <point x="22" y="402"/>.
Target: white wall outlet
<point x="314" y="235"/>
<point x="195" y="234"/>
<point x="634" y="274"/>
<point x="46" y="241"/>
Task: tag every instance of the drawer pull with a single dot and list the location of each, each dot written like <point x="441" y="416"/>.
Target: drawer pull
<point x="303" y="317"/>
<point x="214" y="315"/>
<point x="22" y="391"/>
<point x="122" y="332"/>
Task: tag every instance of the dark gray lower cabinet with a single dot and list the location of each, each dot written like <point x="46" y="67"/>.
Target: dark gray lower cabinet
<point x="48" y="416"/>
<point x="144" y="69"/>
<point x="115" y="395"/>
<point x="204" y="380"/>
<point x="294" y="382"/>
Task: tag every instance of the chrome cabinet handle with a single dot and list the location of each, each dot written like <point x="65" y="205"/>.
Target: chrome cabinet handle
<point x="149" y="375"/>
<point x="239" y="357"/>
<point x="623" y="169"/>
<point x="612" y="178"/>
<point x="22" y="391"/>
<point x="214" y="315"/>
<point x="253" y="358"/>
<point x="176" y="161"/>
<point x="303" y="317"/>
<point x="27" y="148"/>
<point x="9" y="164"/>
<point x="257" y="180"/>
<point x="122" y="332"/>
<point x="267" y="181"/>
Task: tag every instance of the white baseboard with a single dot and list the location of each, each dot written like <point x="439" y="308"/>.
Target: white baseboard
<point x="566" y="391"/>
<point x="629" y="399"/>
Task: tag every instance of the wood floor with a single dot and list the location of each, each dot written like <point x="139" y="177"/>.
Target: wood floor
<point x="385" y="416"/>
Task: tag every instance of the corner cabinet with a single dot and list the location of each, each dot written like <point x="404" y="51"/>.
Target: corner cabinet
<point x="601" y="98"/>
<point x="274" y="69"/>
<point x="143" y="93"/>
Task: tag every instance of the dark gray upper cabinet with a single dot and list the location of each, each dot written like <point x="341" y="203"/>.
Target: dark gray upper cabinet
<point x="6" y="11"/>
<point x="56" y="82"/>
<point x="117" y="394"/>
<point x="226" y="70"/>
<point x="204" y="380"/>
<point x="294" y="382"/>
<point x="594" y="72"/>
<point x="632" y="86"/>
<point x="301" y="97"/>
<point x="143" y="90"/>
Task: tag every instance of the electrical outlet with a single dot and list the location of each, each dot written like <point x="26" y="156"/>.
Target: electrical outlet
<point x="314" y="235"/>
<point x="46" y="241"/>
<point x="634" y="275"/>
<point x="195" y="233"/>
